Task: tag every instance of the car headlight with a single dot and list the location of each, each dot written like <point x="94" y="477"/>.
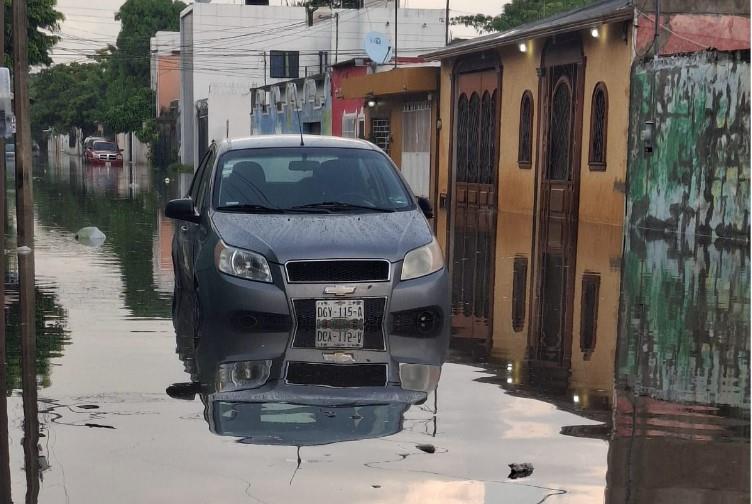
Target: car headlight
<point x="242" y="263"/>
<point x="242" y="375"/>
<point x="422" y="261"/>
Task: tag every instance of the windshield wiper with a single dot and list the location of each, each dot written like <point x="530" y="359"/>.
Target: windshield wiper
<point x="250" y="208"/>
<point x="340" y="205"/>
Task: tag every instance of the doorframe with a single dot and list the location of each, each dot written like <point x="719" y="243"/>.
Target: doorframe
<point x="570" y="50"/>
<point x="489" y="60"/>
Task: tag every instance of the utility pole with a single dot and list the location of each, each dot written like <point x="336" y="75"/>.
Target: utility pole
<point x="446" y="25"/>
<point x="5" y="494"/>
<point x="396" y="10"/>
<point x="24" y="207"/>
<point x="25" y="224"/>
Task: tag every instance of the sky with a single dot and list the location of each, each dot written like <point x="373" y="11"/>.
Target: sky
<point x="87" y="28"/>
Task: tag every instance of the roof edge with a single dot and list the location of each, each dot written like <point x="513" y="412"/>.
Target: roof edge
<point x="471" y="47"/>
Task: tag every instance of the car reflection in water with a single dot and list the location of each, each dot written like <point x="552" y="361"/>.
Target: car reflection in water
<point x="245" y="386"/>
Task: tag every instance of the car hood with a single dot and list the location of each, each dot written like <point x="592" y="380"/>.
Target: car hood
<point x="282" y="238"/>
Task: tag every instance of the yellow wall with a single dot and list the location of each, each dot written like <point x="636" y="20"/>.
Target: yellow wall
<point x="608" y="59"/>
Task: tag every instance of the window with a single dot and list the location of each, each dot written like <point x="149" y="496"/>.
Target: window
<point x="284" y="64"/>
<point x="519" y="288"/>
<point x="381" y="133"/>
<point x="323" y="61"/>
<point x="598" y="128"/>
<point x="199" y="202"/>
<point x="348" y="125"/>
<point x="591" y="283"/>
<point x="561" y="139"/>
<point x="525" y="148"/>
<point x="288" y="177"/>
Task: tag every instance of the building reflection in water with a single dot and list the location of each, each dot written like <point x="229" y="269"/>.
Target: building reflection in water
<point x="239" y="381"/>
<point x="655" y="345"/>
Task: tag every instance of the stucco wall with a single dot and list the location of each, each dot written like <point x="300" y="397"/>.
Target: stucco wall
<point x="229" y="111"/>
<point x="168" y="81"/>
<point x="696" y="180"/>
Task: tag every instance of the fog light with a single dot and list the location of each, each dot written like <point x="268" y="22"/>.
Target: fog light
<point x="242" y="375"/>
<point x="425" y="322"/>
<point x="419" y="377"/>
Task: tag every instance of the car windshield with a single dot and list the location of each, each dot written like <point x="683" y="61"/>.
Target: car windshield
<point x="309" y="178"/>
<point x="105" y="146"/>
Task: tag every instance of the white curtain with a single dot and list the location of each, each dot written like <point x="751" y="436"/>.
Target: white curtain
<point x="416" y="146"/>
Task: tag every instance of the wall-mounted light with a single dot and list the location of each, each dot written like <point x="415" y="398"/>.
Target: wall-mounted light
<point x="523" y="47"/>
<point x="594" y="32"/>
<point x="576" y="399"/>
<point x="371" y="102"/>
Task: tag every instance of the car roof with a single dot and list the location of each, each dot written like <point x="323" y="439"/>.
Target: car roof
<point x="266" y="141"/>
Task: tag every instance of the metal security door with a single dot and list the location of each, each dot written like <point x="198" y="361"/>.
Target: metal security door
<point x="474" y="203"/>
<point x="558" y="210"/>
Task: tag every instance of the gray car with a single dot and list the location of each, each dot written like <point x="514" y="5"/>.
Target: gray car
<point x="313" y="254"/>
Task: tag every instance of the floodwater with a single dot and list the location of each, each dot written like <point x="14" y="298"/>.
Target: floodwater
<point x="650" y="406"/>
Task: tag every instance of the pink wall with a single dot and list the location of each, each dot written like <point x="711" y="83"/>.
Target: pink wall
<point x="168" y="80"/>
<point x="687" y="33"/>
<point x="340" y="105"/>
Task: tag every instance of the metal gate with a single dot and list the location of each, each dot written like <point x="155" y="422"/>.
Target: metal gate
<point x="474" y="202"/>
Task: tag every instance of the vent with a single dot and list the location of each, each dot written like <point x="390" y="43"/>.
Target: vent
<point x="373" y="335"/>
<point x="337" y="271"/>
<point x="337" y="375"/>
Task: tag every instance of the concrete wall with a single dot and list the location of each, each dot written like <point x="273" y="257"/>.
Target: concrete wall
<point x="229" y="111"/>
<point x="341" y="106"/>
<point x="696" y="180"/>
<point x="168" y="81"/>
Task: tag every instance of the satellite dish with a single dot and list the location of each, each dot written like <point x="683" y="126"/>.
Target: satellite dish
<point x="378" y="47"/>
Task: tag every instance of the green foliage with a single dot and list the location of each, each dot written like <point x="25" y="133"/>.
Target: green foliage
<point x="518" y="12"/>
<point x="67" y="96"/>
<point x="41" y="15"/>
<point x="114" y="89"/>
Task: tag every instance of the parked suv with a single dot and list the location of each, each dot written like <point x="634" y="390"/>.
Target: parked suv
<point x="321" y="240"/>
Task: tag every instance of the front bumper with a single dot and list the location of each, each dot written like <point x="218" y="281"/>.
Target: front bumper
<point x="246" y="320"/>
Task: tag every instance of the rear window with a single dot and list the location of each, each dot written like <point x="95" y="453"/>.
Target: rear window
<point x="105" y="146"/>
<point x="285" y="178"/>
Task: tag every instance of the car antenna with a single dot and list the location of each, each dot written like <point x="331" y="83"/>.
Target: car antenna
<point x="300" y="126"/>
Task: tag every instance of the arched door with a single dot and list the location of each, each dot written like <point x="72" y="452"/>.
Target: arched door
<point x="558" y="202"/>
<point x="474" y="201"/>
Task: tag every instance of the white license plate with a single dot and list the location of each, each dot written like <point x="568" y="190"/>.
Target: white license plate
<point x="339" y="323"/>
<point x="327" y="338"/>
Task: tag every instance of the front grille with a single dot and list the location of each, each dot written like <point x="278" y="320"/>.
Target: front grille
<point x="337" y="375"/>
<point x="338" y="271"/>
<point x="305" y="315"/>
<point x="418" y="323"/>
<point x="105" y="157"/>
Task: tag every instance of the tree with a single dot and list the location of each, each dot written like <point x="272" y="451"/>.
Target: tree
<point x="518" y="12"/>
<point x="44" y="23"/>
<point x="67" y="96"/>
<point x="140" y="20"/>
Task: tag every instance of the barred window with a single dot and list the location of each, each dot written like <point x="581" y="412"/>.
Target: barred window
<point x="598" y="128"/>
<point x="525" y="150"/>
<point x="591" y="283"/>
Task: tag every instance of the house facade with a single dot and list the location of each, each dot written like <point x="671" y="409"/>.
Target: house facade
<point x="247" y="47"/>
<point x="562" y="137"/>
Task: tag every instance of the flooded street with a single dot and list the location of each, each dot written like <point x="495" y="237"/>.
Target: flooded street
<point x="648" y="402"/>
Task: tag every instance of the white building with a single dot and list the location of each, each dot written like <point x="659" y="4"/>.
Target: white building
<point x="227" y="49"/>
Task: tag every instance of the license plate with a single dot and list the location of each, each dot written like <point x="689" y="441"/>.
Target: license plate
<point x="108" y="164"/>
<point x="326" y="338"/>
<point x="339" y="323"/>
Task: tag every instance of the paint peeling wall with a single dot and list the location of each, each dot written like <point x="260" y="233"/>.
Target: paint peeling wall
<point x="684" y="334"/>
<point x="696" y="180"/>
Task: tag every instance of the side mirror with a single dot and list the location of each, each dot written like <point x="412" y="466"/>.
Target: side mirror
<point x="425" y="206"/>
<point x="181" y="209"/>
<point x="184" y="391"/>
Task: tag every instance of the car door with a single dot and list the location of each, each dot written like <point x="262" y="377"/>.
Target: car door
<point x="198" y="232"/>
<point x="184" y="234"/>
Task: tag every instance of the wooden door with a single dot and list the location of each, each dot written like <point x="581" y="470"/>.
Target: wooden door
<point x="558" y="203"/>
<point x="474" y="197"/>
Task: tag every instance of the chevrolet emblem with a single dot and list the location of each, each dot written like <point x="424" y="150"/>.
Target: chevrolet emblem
<point x="339" y="290"/>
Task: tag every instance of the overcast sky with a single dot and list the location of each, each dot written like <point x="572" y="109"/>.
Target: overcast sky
<point x="87" y="28"/>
